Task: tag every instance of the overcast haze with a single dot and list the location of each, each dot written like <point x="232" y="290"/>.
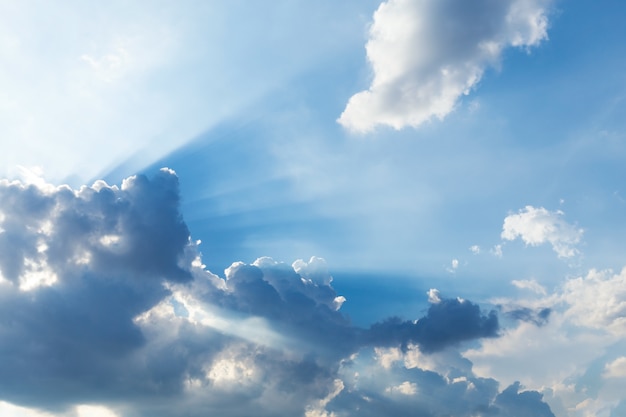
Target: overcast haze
<point x="316" y="209"/>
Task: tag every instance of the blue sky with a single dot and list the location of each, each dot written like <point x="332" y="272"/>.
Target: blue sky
<point x="313" y="209"/>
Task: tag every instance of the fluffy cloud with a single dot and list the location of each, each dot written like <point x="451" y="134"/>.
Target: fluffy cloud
<point x="426" y="54"/>
<point x="536" y="226"/>
<point x="597" y="300"/>
<point x="108" y="310"/>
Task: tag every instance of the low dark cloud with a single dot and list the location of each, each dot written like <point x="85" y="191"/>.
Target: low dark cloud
<point x="448" y="322"/>
<point x="104" y="299"/>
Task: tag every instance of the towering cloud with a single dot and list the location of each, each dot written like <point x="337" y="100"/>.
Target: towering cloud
<point x="426" y="54"/>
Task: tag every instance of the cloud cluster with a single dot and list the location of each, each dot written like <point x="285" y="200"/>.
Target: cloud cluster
<point x="588" y="312"/>
<point x="427" y="54"/>
<point x="105" y="305"/>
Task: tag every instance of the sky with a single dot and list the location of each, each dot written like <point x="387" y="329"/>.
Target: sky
<point x="316" y="209"/>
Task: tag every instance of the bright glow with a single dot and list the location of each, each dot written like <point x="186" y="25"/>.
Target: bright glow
<point x="94" y="411"/>
<point x="110" y="240"/>
<point x="36" y="274"/>
<point x="231" y="371"/>
<point x="10" y="410"/>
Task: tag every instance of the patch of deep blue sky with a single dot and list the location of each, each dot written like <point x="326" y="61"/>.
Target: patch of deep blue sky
<point x="545" y="129"/>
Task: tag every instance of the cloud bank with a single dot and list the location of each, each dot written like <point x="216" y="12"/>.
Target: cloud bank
<point x="425" y="55"/>
<point x="107" y="308"/>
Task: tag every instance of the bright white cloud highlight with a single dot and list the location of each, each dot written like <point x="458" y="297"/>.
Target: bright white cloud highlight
<point x="537" y="225"/>
<point x="427" y="54"/>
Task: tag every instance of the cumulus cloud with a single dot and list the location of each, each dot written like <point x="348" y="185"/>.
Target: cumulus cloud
<point x="597" y="300"/>
<point x="425" y="55"/>
<point x="107" y="309"/>
<point x="537" y="225"/>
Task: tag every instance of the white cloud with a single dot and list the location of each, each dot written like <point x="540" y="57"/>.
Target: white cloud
<point x="94" y="411"/>
<point x="405" y="388"/>
<point x="535" y="226"/>
<point x="475" y="249"/>
<point x="497" y="251"/>
<point x="531" y="285"/>
<point x="616" y="369"/>
<point x="454" y="265"/>
<point x="317" y="409"/>
<point x="386" y="357"/>
<point x="427" y="54"/>
<point x="434" y="296"/>
<point x="233" y="370"/>
<point x="315" y="270"/>
<point x="10" y="410"/>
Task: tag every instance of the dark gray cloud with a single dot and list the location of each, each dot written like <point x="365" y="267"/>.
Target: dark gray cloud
<point x="448" y="322"/>
<point x="79" y="266"/>
<point x="104" y="299"/>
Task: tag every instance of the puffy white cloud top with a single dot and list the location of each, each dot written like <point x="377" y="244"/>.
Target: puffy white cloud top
<point x="426" y="54"/>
